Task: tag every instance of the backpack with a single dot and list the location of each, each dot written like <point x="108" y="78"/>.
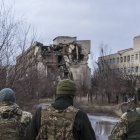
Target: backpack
<point x="9" y="124"/>
<point x="57" y="124"/>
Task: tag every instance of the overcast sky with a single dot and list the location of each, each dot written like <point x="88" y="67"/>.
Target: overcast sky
<point x="111" y="22"/>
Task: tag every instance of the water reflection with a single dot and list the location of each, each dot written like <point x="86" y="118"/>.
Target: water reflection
<point x="102" y="125"/>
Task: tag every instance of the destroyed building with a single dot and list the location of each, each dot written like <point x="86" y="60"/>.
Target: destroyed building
<point x="67" y="57"/>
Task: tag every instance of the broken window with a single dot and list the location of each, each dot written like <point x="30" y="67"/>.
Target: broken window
<point x="60" y="60"/>
<point x="58" y="47"/>
<point x="76" y="54"/>
<point x="66" y="73"/>
<point x="45" y="50"/>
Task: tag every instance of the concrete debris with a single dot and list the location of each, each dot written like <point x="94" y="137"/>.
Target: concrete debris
<point x="67" y="57"/>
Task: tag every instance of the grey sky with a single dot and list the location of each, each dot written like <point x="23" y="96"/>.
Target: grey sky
<point x="112" y="22"/>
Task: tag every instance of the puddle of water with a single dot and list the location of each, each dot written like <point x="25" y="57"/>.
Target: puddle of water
<point x="102" y="125"/>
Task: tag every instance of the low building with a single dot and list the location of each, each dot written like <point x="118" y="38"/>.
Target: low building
<point x="127" y="60"/>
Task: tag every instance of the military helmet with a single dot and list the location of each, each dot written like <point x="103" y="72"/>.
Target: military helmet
<point x="66" y="87"/>
<point x="7" y="95"/>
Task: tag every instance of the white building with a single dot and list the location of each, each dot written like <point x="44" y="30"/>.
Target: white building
<point x="126" y="60"/>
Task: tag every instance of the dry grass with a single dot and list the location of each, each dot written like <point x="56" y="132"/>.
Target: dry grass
<point x="89" y="107"/>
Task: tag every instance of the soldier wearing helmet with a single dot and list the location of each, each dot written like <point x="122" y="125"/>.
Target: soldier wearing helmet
<point x="61" y="120"/>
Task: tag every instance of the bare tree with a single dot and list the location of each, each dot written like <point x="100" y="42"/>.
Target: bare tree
<point x="15" y="38"/>
<point x="111" y="83"/>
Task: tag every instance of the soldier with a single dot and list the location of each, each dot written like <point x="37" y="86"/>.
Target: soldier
<point x="13" y="121"/>
<point x="128" y="127"/>
<point x="61" y="120"/>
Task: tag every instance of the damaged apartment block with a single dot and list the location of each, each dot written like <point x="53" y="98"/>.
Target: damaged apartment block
<point x="66" y="58"/>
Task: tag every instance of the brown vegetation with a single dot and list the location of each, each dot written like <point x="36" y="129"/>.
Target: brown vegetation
<point x="112" y="85"/>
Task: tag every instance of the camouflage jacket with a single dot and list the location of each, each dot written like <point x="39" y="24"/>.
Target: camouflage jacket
<point x="57" y="124"/>
<point x="120" y="130"/>
<point x="13" y="110"/>
<point x="82" y="129"/>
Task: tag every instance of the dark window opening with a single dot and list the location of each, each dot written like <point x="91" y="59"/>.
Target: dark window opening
<point x="136" y="57"/>
<point x="117" y="59"/>
<point x="121" y="59"/>
<point x="128" y="58"/>
<point x="124" y="58"/>
<point x="60" y="60"/>
<point x="136" y="69"/>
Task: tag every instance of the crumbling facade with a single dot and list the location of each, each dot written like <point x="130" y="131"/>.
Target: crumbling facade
<point x="66" y="58"/>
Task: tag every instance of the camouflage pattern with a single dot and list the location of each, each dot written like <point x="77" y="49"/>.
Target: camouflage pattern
<point x="57" y="124"/>
<point x="128" y="106"/>
<point x="120" y="129"/>
<point x="12" y="121"/>
<point x="24" y="122"/>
